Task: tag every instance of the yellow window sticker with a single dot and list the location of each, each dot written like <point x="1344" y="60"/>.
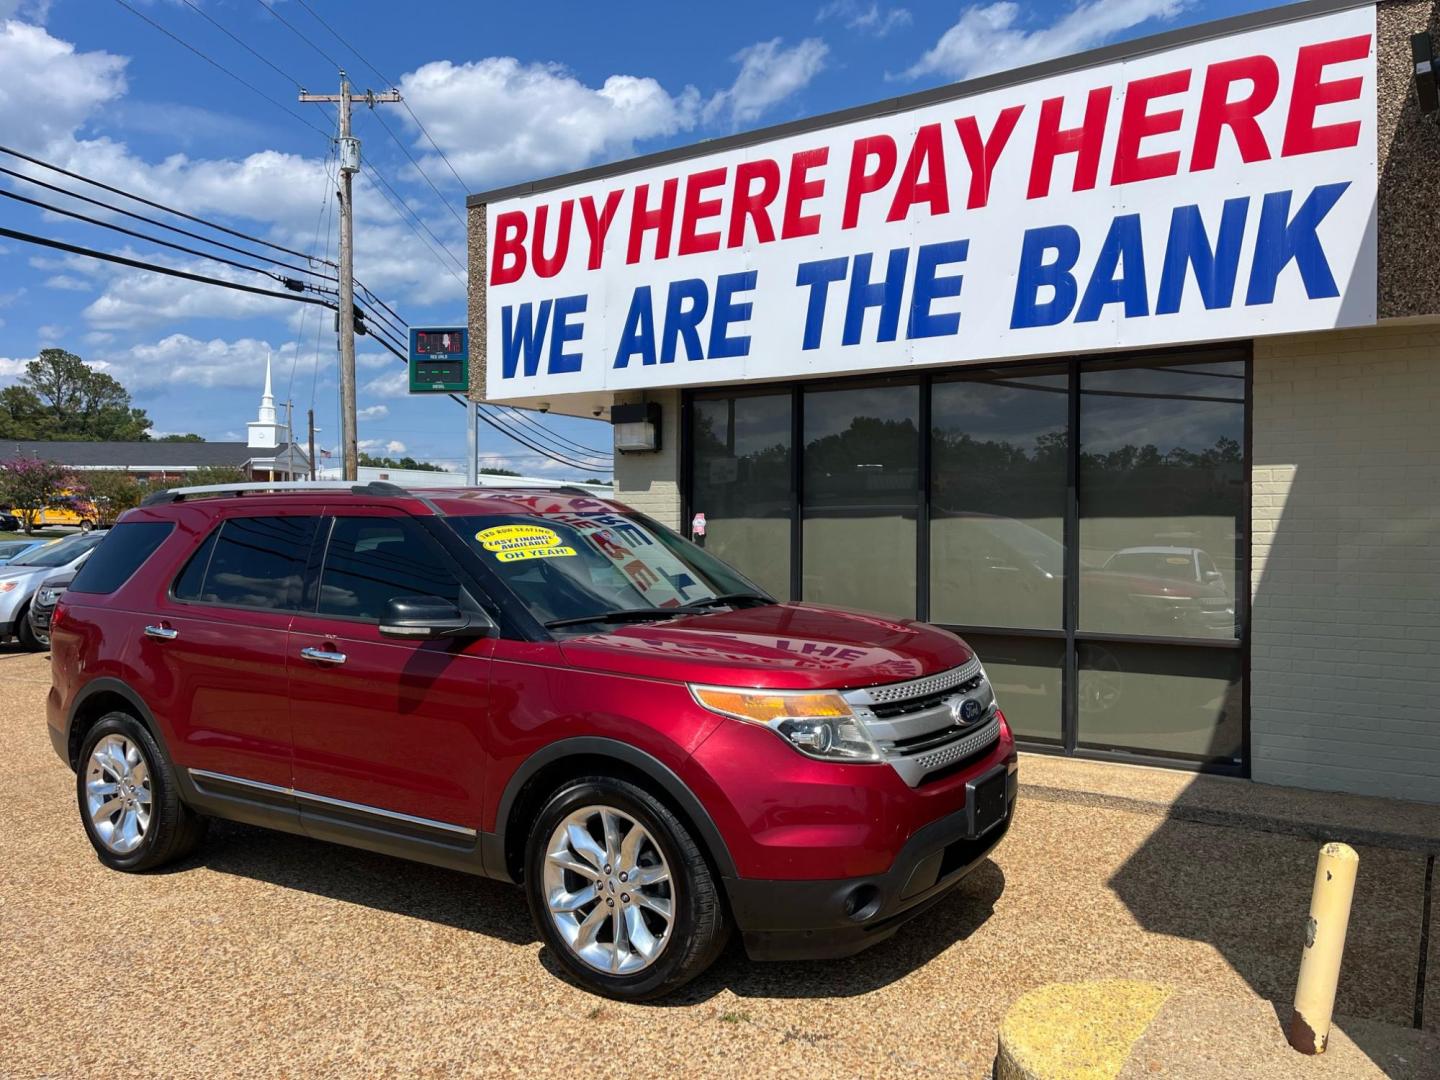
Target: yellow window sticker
<point x="511" y="543"/>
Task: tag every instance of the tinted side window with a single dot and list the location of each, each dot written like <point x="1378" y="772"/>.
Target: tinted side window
<point x="370" y="560"/>
<point x="119" y="555"/>
<point x="259" y="562"/>
<point x="188" y="585"/>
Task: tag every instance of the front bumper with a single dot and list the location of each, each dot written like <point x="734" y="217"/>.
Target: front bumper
<point x="826" y="919"/>
<point x="7" y="629"/>
<point x="40" y="618"/>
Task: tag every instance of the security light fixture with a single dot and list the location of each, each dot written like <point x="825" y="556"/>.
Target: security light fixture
<point x="1427" y="91"/>
<point x="637" y="427"/>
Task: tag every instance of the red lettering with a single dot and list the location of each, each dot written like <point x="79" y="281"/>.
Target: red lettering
<point x="1302" y="135"/>
<point x="1218" y="111"/>
<point x="1137" y="123"/>
<point x="659" y="220"/>
<point x="753" y="205"/>
<point x="1084" y="142"/>
<point x="549" y="266"/>
<point x="864" y="180"/>
<point x="927" y="156"/>
<point x="802" y="190"/>
<point x="507" y="260"/>
<point x="597" y="225"/>
<point x="982" y="154"/>
<point x="697" y="209"/>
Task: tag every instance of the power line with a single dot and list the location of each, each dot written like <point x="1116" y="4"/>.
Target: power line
<point x="222" y="68"/>
<point x="148" y="202"/>
<point x="323" y="54"/>
<point x="426" y="176"/>
<point x="518" y="415"/>
<point x="290" y="283"/>
<point x="238" y="41"/>
<point x="389" y="82"/>
<point x="397" y="204"/>
<point x="321" y="216"/>
<point x="30" y="238"/>
<point x="164" y="225"/>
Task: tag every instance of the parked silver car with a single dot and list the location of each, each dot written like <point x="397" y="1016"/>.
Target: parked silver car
<point x="20" y="578"/>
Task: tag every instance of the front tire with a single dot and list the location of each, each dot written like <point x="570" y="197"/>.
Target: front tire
<point x="25" y="633"/>
<point x="620" y="891"/>
<point x="129" y="799"/>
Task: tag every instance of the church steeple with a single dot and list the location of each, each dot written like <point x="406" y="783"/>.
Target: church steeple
<point x="266" y="431"/>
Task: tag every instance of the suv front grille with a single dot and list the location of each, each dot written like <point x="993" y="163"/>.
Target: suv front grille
<point x="915" y="723"/>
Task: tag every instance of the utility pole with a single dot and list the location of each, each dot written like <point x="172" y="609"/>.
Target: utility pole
<point x="349" y="165"/>
<point x="312" y="443"/>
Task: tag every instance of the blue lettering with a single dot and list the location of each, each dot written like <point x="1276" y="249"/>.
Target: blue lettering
<point x="865" y="294"/>
<point x="727" y="311"/>
<point x="562" y="362"/>
<point x="1119" y="276"/>
<point x="819" y="273"/>
<point x="1035" y="273"/>
<point x="682" y="321"/>
<point x="638" y="335"/>
<point x="1279" y="241"/>
<point x="522" y="335"/>
<point x="1189" y="246"/>
<point x="929" y="288"/>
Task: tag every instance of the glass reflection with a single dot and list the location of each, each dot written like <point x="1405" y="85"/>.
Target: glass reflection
<point x="741" y="483"/>
<point x="1026" y="674"/>
<point x="998" y="447"/>
<point x="862" y="497"/>
<point x="1162" y="499"/>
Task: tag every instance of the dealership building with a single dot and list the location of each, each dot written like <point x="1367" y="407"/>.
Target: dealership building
<point x="1125" y="366"/>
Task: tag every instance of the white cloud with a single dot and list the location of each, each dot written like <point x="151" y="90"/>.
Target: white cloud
<point x="49" y="89"/>
<point x="994" y="37"/>
<point x="199" y="364"/>
<point x="50" y="332"/>
<point x="373" y="412"/>
<point x="769" y="73"/>
<point x="392" y="385"/>
<point x="394" y="446"/>
<point x="12" y="368"/>
<point x="872" y="19"/>
<point x="69" y="283"/>
<point x="501" y="119"/>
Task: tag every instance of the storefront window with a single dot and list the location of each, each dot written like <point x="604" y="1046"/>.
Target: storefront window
<point x="861" y="497"/>
<point x="741" y="482"/>
<point x="1162" y="499"/>
<point x="1027" y="676"/>
<point x="997" y="509"/>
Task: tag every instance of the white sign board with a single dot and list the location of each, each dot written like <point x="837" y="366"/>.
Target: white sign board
<point x="1222" y="189"/>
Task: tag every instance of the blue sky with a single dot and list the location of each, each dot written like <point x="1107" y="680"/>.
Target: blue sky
<point x="509" y="91"/>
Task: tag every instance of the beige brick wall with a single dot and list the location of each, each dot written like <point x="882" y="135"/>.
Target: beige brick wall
<point x="651" y="482"/>
<point x="1345" y="631"/>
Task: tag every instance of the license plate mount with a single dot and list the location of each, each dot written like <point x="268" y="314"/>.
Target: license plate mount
<point x="988" y="805"/>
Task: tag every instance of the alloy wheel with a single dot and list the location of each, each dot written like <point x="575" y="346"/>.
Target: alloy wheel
<point x="117" y="793"/>
<point x="608" y="890"/>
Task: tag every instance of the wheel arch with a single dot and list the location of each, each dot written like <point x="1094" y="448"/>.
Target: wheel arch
<point x="101" y="696"/>
<point x="552" y="765"/>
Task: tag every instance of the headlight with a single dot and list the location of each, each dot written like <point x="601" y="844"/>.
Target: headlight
<point x="818" y="723"/>
<point x="46" y="597"/>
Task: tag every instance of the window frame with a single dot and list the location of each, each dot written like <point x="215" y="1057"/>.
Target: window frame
<point x="1241" y="351"/>
<point x="215" y="530"/>
<point x="320" y="558"/>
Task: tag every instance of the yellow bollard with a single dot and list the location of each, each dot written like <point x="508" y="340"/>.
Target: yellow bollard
<point x="1324" y="947"/>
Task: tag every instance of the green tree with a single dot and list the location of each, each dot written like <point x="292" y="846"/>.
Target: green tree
<point x="111" y="492"/>
<point x="212" y="474"/>
<point x="370" y="461"/>
<point x="499" y="472"/>
<point x="28" y="484"/>
<point x="192" y="437"/>
<point x="62" y="397"/>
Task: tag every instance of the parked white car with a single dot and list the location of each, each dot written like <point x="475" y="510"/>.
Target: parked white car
<point x="22" y="576"/>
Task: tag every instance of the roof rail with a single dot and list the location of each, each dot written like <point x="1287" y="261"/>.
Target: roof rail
<point x="172" y="495"/>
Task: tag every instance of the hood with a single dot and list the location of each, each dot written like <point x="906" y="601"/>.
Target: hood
<point x="779" y="646"/>
<point x="8" y="573"/>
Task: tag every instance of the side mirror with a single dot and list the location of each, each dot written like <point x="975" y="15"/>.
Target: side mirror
<point x="422" y="618"/>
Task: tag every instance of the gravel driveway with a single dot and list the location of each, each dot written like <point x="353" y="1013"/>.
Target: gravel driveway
<point x="273" y="955"/>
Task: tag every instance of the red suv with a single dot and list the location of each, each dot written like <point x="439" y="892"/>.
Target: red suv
<point x="537" y="686"/>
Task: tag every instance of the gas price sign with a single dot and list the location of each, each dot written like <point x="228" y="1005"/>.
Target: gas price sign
<point x="439" y="360"/>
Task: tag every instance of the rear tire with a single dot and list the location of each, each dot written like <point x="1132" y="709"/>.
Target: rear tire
<point x="86" y="525"/>
<point x="129" y="799"/>
<point x="635" y="911"/>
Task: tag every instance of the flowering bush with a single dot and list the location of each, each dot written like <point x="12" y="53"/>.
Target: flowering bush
<point x="30" y="484"/>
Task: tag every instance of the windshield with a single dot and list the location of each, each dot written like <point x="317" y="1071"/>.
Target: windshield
<point x="10" y="548"/>
<point x="59" y="554"/>
<point x="589" y="566"/>
<point x="1176" y="566"/>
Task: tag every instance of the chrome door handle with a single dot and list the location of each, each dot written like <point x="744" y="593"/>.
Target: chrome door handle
<point x="325" y="656"/>
<point x="164" y="633"/>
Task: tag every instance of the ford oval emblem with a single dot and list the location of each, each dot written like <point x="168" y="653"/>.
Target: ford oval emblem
<point x="966" y="711"/>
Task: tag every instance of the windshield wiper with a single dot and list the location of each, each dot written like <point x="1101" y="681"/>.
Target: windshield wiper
<point x="643" y="614"/>
<point x="729" y="600"/>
